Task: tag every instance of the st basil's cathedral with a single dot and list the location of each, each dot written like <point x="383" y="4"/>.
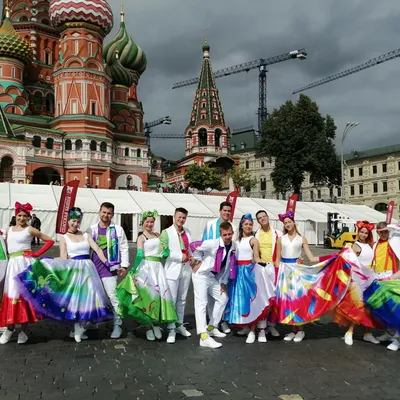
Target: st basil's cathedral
<point x="69" y="106"/>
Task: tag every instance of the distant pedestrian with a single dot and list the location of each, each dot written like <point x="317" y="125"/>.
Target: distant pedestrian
<point x="35" y="223"/>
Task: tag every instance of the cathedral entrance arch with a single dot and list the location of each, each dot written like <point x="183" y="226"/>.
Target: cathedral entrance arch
<point x="381" y="207"/>
<point x="6" y="169"/>
<point x="45" y="175"/>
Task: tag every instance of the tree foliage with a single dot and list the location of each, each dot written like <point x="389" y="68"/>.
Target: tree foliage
<point x="300" y="140"/>
<point x="203" y="178"/>
<point x="242" y="179"/>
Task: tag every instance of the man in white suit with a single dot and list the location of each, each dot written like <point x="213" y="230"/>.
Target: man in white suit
<point x="174" y="246"/>
<point x="214" y="265"/>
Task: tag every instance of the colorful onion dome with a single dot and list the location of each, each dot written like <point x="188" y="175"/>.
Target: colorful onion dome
<point x="206" y="46"/>
<point x="11" y="44"/>
<point x="95" y="12"/>
<point x="131" y="56"/>
<point x="120" y="75"/>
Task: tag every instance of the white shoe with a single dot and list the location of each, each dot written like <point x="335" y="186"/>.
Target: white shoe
<point x="157" y="331"/>
<point x="385" y="337"/>
<point x="273" y="331"/>
<point x="394" y="346"/>
<point x="262" y="337"/>
<point x="171" y="336"/>
<point x="225" y="327"/>
<point x="22" y="338"/>
<point x="6" y="336"/>
<point x="289" y="337"/>
<point x="210" y="342"/>
<point x="183" y="331"/>
<point x="299" y="336"/>
<point x="251" y="338"/>
<point x="216" y="333"/>
<point x="78" y="332"/>
<point x="348" y="338"/>
<point x="150" y="335"/>
<point x="244" y="332"/>
<point x="369" y="337"/>
<point x="117" y="332"/>
<point x="90" y="326"/>
<point x="72" y="335"/>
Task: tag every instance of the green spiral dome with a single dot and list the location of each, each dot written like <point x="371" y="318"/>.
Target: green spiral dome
<point x="131" y="56"/>
<point x="120" y="74"/>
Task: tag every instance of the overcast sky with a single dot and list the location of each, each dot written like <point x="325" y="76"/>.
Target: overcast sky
<point x="337" y="34"/>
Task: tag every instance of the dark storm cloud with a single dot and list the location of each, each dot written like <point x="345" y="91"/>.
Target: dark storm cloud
<point x="337" y="35"/>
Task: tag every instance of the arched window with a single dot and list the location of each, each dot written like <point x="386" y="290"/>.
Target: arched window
<point x="37" y="99"/>
<point x="37" y="141"/>
<point x="103" y="147"/>
<point x="49" y="143"/>
<point x="6" y="169"/>
<point x="78" y="144"/>
<point x="138" y="153"/>
<point x="93" y="145"/>
<point x="217" y="137"/>
<point x="23" y="18"/>
<point x="50" y="103"/>
<point x="243" y="145"/>
<point x="247" y="165"/>
<point x="381" y="207"/>
<point x="68" y="145"/>
<point x="202" y="137"/>
<point x="127" y="153"/>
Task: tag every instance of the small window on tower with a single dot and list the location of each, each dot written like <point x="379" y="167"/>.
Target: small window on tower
<point x="93" y="108"/>
<point x="48" y="57"/>
<point x="74" y="107"/>
<point x="203" y="105"/>
<point x="90" y="45"/>
<point x="1" y="70"/>
<point x="13" y="72"/>
<point x="76" y="46"/>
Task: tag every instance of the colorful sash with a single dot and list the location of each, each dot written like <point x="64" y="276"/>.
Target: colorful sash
<point x="112" y="242"/>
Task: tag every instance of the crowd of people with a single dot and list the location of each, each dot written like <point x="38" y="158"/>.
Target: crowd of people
<point x="251" y="281"/>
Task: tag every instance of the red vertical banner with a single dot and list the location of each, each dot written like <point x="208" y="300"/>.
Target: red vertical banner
<point x="67" y="201"/>
<point x="291" y="204"/>
<point x="389" y="212"/>
<point x="232" y="198"/>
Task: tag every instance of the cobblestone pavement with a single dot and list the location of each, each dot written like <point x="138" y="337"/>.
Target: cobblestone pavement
<point x="52" y="366"/>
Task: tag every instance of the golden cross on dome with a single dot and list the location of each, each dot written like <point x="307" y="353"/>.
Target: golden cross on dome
<point x="122" y="10"/>
<point x="206" y="35"/>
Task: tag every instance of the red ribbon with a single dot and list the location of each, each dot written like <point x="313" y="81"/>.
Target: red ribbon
<point x="27" y="208"/>
<point x="365" y="224"/>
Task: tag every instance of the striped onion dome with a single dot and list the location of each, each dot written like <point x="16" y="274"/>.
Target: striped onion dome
<point x="131" y="56"/>
<point x="95" y="12"/>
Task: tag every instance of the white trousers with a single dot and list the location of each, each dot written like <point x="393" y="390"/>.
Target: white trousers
<point x="205" y="285"/>
<point x="179" y="290"/>
<point x="110" y="287"/>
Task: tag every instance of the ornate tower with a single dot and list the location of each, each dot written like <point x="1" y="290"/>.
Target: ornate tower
<point x="15" y="54"/>
<point x="207" y="132"/>
<point x="82" y="86"/>
<point x="127" y="62"/>
<point x="31" y="21"/>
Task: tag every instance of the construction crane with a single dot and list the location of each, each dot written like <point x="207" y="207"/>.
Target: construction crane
<point x="261" y="65"/>
<point x="148" y="125"/>
<point x="371" y="63"/>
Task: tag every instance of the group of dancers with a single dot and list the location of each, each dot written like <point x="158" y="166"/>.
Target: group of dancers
<point x="252" y="283"/>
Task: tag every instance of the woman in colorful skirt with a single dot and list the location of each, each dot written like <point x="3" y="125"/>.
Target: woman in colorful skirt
<point x="305" y="293"/>
<point x="69" y="288"/>
<point x="144" y="294"/>
<point x="14" y="309"/>
<point x="3" y="268"/>
<point x="351" y="310"/>
<point x="250" y="294"/>
<point x="383" y="296"/>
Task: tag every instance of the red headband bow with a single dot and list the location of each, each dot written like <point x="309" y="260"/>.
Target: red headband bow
<point x="23" y="207"/>
<point x="365" y="224"/>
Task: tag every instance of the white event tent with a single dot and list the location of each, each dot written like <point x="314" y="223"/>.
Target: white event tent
<point x="311" y="217"/>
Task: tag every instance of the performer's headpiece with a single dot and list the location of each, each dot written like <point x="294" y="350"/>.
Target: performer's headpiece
<point x="75" y="214"/>
<point x="365" y="224"/>
<point x="147" y="214"/>
<point x="288" y="214"/>
<point x="27" y="208"/>
<point x="246" y="217"/>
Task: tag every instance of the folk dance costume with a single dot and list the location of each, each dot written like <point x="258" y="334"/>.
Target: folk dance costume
<point x="112" y="240"/>
<point x="305" y="293"/>
<point x="352" y="310"/>
<point x="67" y="290"/>
<point x="3" y="267"/>
<point x="218" y="266"/>
<point x="174" y="245"/>
<point x="383" y="296"/>
<point x="14" y="308"/>
<point x="144" y="294"/>
<point x="250" y="294"/>
<point x="268" y="242"/>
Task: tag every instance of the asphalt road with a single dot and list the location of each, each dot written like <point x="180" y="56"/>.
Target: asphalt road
<point x="52" y="366"/>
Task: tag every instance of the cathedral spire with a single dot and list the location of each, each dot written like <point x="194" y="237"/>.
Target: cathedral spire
<point x="207" y="108"/>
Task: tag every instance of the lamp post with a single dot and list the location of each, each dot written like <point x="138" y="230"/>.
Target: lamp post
<point x="349" y="126"/>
